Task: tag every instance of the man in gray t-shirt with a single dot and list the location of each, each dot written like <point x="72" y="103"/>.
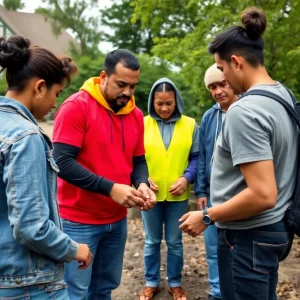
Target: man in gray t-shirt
<point x="256" y="128"/>
<point x="253" y="172"/>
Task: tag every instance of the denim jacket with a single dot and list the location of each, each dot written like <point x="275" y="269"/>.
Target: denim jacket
<point x="33" y="247"/>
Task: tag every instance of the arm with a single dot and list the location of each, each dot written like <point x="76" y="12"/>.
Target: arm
<point x="25" y="177"/>
<point x="249" y="145"/>
<point x="260" y="195"/>
<point x="71" y="171"/>
<point x="190" y="172"/>
<point x="68" y="135"/>
<point x="139" y="176"/>
<point x="140" y="171"/>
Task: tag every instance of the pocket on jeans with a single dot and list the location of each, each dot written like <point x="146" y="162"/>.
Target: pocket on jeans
<point x="69" y="223"/>
<point x="229" y="238"/>
<point x="266" y="256"/>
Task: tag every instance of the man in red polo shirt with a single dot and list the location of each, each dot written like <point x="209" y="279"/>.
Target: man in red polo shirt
<point x="99" y="148"/>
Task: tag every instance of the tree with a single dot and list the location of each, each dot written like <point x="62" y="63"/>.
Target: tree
<point x="202" y="20"/>
<point x="13" y="4"/>
<point x="67" y="14"/>
<point x="128" y="35"/>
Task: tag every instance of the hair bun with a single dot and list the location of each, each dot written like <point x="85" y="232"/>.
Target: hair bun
<point x="14" y="52"/>
<point x="254" y="21"/>
<point x="68" y="66"/>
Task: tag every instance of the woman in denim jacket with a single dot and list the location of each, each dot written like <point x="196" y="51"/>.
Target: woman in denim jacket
<point x="33" y="248"/>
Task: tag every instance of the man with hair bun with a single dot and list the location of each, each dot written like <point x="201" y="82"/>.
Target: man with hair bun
<point x="33" y="248"/>
<point x="254" y="169"/>
<point x="211" y="124"/>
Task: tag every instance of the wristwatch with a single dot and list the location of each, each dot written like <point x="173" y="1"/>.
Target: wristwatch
<point x="206" y="219"/>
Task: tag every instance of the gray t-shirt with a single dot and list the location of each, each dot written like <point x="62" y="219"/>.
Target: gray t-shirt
<point x="256" y="128"/>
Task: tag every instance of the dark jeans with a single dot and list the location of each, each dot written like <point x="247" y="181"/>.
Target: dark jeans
<point x="249" y="259"/>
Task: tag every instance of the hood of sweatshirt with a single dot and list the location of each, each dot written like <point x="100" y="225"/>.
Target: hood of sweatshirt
<point x="179" y="102"/>
<point x="92" y="87"/>
<point x="217" y="106"/>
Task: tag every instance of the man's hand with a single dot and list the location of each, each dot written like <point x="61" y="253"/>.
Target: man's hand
<point x="150" y="196"/>
<point x="192" y="223"/>
<point x="83" y="256"/>
<point x="178" y="187"/>
<point x="127" y="196"/>
<point x="153" y="185"/>
<point x="201" y="203"/>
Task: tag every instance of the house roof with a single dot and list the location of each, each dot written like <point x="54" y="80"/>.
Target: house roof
<point x="38" y="30"/>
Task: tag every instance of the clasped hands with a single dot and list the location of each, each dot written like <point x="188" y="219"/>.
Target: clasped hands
<point x="143" y="197"/>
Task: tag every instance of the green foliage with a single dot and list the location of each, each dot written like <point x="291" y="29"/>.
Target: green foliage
<point x="13" y="4"/>
<point x="67" y="14"/>
<point x="125" y="34"/>
<point x="3" y="84"/>
<point x="197" y="23"/>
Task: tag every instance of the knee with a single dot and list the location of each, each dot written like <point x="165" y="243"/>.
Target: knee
<point x="174" y="243"/>
<point x="152" y="242"/>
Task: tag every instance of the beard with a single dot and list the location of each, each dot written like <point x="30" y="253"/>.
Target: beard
<point x="117" y="103"/>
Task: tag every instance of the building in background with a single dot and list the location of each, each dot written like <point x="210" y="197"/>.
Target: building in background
<point x="37" y="29"/>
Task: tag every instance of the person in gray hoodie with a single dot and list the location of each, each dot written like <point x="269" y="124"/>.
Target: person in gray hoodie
<point x="172" y="149"/>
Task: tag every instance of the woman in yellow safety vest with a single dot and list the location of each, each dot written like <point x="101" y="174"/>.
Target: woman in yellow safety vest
<point x="172" y="148"/>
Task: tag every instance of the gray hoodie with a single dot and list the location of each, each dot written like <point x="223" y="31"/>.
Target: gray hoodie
<point x="166" y="127"/>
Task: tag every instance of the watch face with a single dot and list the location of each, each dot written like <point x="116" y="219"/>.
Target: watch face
<point x="206" y="219"/>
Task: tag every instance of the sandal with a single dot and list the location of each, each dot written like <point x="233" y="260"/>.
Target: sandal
<point x="177" y="292"/>
<point x="148" y="292"/>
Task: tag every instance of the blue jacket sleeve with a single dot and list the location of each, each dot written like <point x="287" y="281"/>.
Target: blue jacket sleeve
<point x="25" y="176"/>
<point x="191" y="170"/>
<point x="201" y="181"/>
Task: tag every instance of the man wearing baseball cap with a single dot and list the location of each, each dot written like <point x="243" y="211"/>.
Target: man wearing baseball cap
<point x="210" y="128"/>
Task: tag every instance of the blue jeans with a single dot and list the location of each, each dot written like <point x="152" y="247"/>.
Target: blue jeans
<point x="211" y="245"/>
<point x="46" y="291"/>
<point x="107" y="244"/>
<point x="167" y="213"/>
<point x="249" y="261"/>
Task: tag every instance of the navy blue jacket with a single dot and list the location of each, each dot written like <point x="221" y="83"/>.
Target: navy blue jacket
<point x="210" y="128"/>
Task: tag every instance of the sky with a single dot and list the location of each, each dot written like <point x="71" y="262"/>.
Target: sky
<point x="31" y="5"/>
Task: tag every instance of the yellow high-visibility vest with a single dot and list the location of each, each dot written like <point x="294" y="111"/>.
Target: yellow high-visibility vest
<point x="166" y="166"/>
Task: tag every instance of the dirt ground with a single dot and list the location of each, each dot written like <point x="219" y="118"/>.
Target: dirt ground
<point x="195" y="267"/>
